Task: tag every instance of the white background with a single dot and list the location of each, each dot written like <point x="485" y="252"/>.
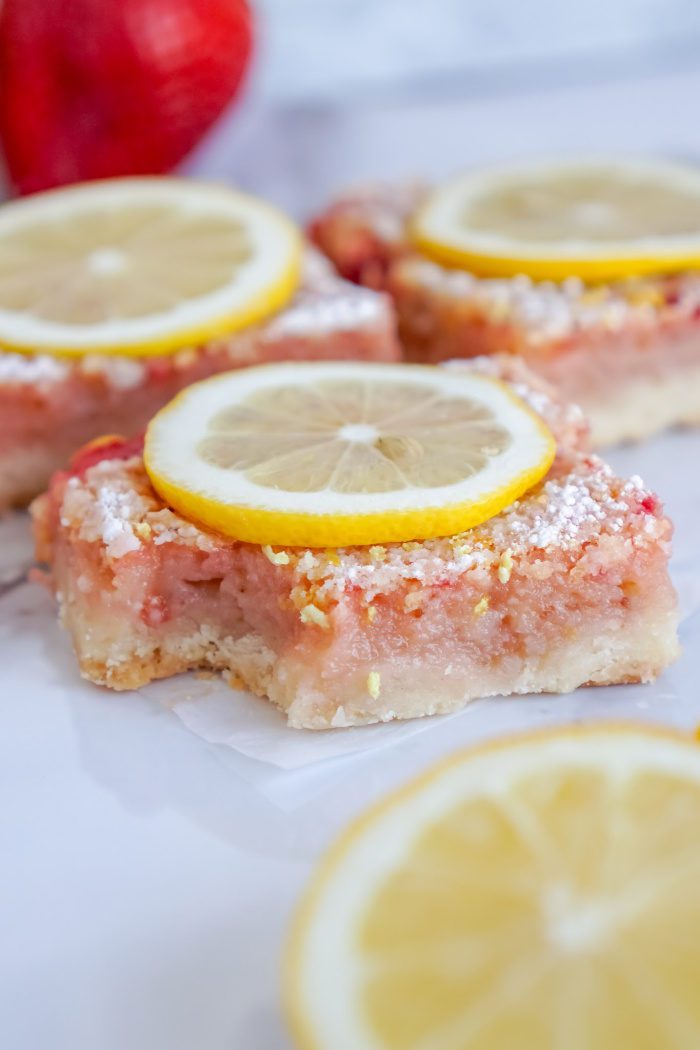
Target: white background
<point x="316" y="49"/>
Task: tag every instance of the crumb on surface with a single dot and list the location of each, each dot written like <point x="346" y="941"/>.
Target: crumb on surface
<point x="505" y="565"/>
<point x="276" y="557"/>
<point x="311" y="614"/>
<point x="374" y="684"/>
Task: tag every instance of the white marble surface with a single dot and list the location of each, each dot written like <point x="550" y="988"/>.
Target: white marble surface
<point x="297" y="154"/>
<point x="316" y="49"/>
<point x="148" y="877"/>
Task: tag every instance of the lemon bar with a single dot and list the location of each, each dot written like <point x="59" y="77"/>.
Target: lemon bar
<point x="566" y="586"/>
<point x="50" y="406"/>
<point x="628" y="351"/>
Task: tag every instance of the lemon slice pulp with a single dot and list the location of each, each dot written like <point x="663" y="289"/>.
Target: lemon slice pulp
<point x="336" y="454"/>
<point x="540" y="893"/>
<point x="139" y="266"/>
<point x="594" y="219"/>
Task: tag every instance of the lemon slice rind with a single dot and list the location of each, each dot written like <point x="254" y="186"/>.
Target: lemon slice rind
<point x="231" y="504"/>
<point x="324" y="972"/>
<point x="258" y="286"/>
<point x="441" y="229"/>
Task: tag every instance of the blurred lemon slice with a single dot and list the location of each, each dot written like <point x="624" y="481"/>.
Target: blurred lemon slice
<point x="334" y="454"/>
<point x="595" y="219"/>
<point x="538" y="893"/>
<point x="140" y="266"/>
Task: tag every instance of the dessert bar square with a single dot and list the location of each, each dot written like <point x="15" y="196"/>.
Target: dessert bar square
<point x="628" y="352"/>
<point x="567" y="586"/>
<point x="51" y="406"/>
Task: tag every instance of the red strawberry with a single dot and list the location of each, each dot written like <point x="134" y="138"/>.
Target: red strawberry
<point x="109" y="446"/>
<point x="93" y="88"/>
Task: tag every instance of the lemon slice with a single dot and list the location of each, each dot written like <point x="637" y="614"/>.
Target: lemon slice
<point x="334" y="454"/>
<point x="539" y="893"/>
<point x="139" y="266"/>
<point x="594" y="219"/>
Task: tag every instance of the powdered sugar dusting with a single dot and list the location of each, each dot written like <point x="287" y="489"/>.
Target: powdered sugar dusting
<point x="115" y="505"/>
<point x="316" y="313"/>
<point x="547" y="311"/>
<point x="32" y="368"/>
<point x="317" y="271"/>
<point x="566" y="420"/>
<point x="107" y="508"/>
<point x="584" y="502"/>
<point x="121" y="373"/>
<point x="567" y="511"/>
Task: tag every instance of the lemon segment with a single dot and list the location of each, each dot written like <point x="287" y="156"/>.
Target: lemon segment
<point x="538" y="892"/>
<point x="140" y="266"/>
<point x="596" y="219"/>
<point x="331" y="455"/>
